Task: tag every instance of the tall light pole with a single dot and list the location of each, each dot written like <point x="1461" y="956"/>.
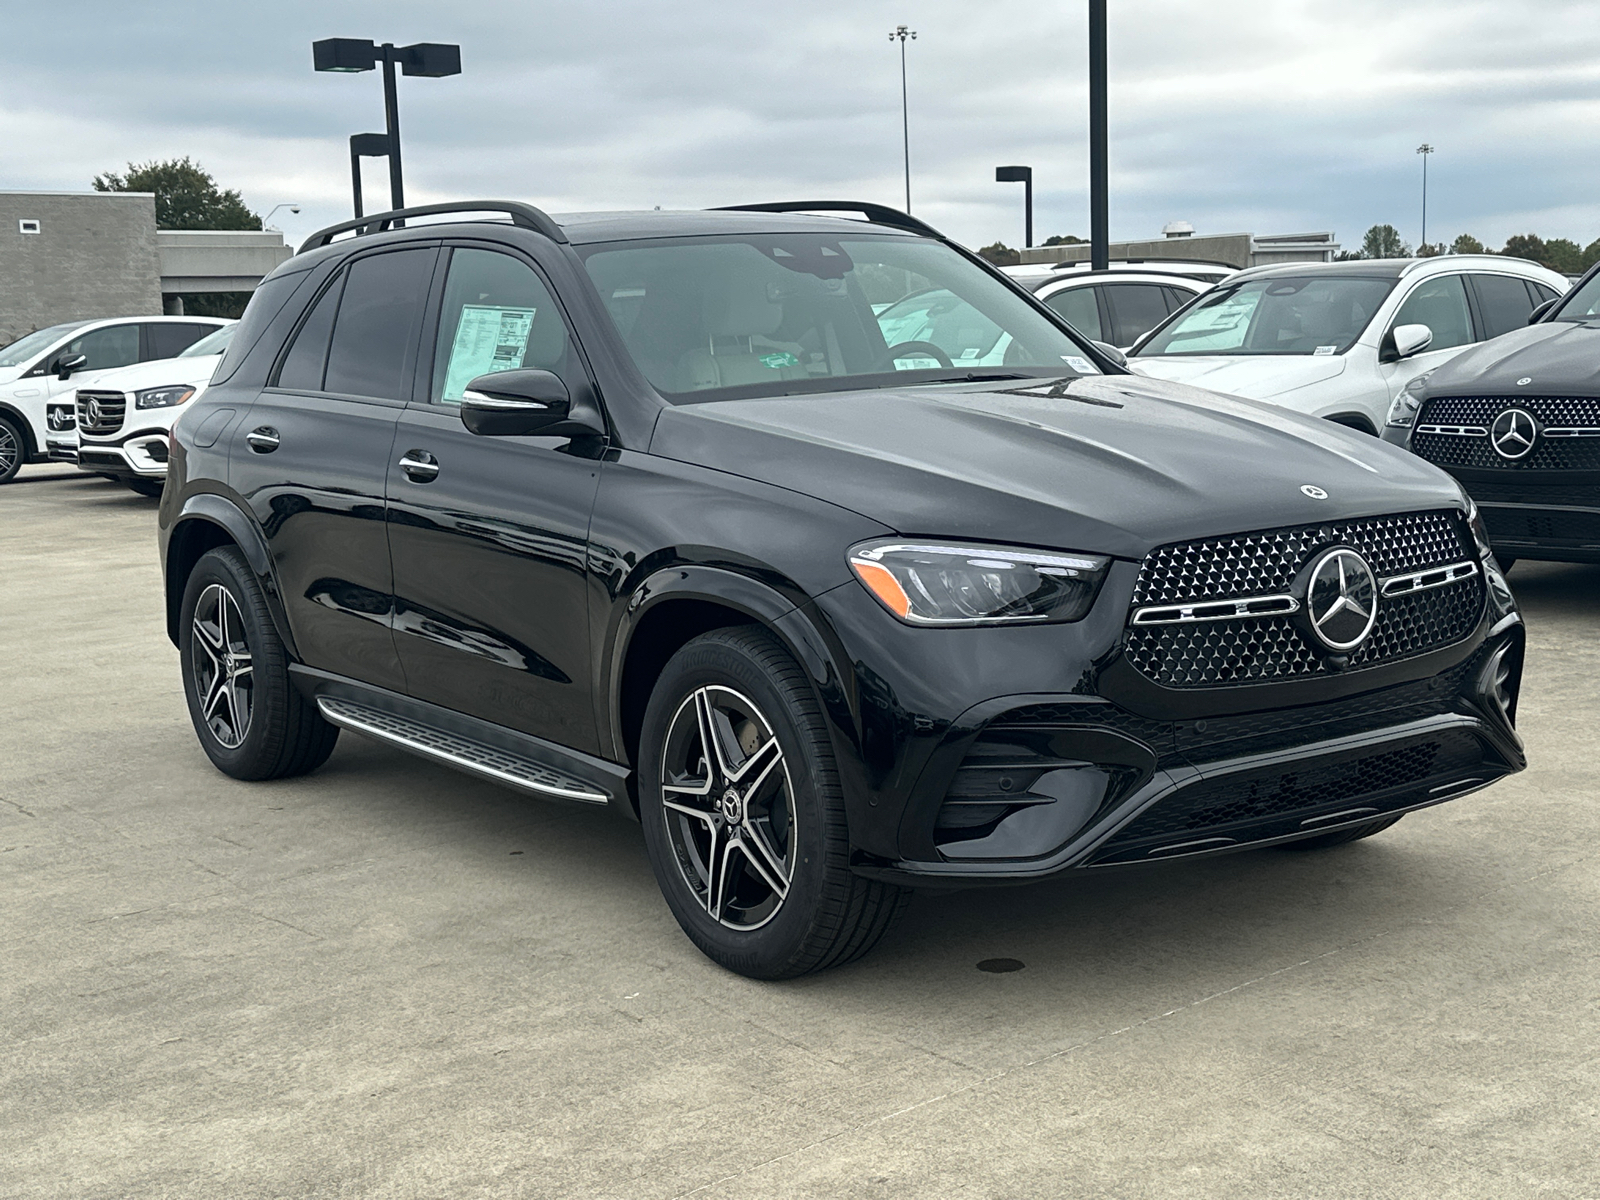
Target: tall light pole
<point x="903" y="35"/>
<point x="1424" y="150"/>
<point x="1024" y="176"/>
<point x="431" y="59"/>
<point x="1099" y="175"/>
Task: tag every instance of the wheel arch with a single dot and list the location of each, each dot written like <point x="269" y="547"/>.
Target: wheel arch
<point x="1358" y="421"/>
<point x="206" y="522"/>
<point x="30" y="443"/>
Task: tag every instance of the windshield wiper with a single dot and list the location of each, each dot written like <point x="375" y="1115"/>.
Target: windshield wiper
<point x="979" y="377"/>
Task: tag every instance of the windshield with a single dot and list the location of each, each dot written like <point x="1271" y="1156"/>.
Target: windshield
<point x="24" y="348"/>
<point x="212" y="343"/>
<point x="1582" y="303"/>
<point x="1314" y="314"/>
<point x="780" y="314"/>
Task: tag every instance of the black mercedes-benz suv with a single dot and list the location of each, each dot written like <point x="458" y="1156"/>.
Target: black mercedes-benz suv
<point x="1517" y="421"/>
<point x="669" y="513"/>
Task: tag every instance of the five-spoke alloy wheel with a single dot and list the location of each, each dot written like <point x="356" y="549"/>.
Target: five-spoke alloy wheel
<point x="224" y="676"/>
<point x="12" y="451"/>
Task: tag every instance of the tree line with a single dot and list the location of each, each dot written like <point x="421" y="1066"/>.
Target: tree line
<point x="1559" y="254"/>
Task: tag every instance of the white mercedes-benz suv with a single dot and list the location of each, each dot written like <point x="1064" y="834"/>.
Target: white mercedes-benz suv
<point x="123" y="421"/>
<point x="1342" y="340"/>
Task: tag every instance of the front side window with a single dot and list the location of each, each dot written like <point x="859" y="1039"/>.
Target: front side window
<point x="170" y="338"/>
<point x="784" y="314"/>
<point x="1078" y="308"/>
<point x="1441" y="305"/>
<point x="497" y="316"/>
<point x="20" y="351"/>
<point x="1582" y="302"/>
<point x="377" y="323"/>
<point x="1136" y="309"/>
<point x="1312" y="314"/>
<point x="114" y="346"/>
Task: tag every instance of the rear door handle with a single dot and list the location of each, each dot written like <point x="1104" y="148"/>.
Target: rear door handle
<point x="263" y="439"/>
<point x="419" y="466"/>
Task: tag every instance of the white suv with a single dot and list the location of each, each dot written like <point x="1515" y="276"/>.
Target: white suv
<point x="1119" y="304"/>
<point x="1342" y="340"/>
<point x="123" y="421"/>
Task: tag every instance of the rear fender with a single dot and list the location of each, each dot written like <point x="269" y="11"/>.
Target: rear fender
<point x="200" y="521"/>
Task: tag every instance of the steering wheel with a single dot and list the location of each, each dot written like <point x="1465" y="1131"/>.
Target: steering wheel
<point x="915" y="350"/>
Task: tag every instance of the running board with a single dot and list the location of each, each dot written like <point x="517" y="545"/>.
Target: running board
<point x="457" y="751"/>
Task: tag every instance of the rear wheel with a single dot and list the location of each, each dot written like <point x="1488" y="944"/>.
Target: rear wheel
<point x="251" y="720"/>
<point x="744" y="817"/>
<point x="12" y="450"/>
<point x="1354" y="834"/>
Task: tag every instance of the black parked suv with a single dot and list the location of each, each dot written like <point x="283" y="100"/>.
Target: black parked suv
<point x="661" y="512"/>
<point x="1517" y="421"/>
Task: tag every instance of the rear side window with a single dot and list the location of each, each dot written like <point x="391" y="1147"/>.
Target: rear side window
<point x="265" y="304"/>
<point x="308" y="357"/>
<point x="1136" y="309"/>
<point x="1541" y="293"/>
<point x="377" y="323"/>
<point x="1441" y="305"/>
<point x="1504" y="303"/>
<point x="1078" y="308"/>
<point x="115" y="346"/>
<point x="170" y="338"/>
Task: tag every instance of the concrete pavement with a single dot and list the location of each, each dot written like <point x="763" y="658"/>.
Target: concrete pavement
<point x="387" y="979"/>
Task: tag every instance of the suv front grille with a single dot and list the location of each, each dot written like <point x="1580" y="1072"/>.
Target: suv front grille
<point x="1261" y="649"/>
<point x="1576" y="447"/>
<point x="101" y="412"/>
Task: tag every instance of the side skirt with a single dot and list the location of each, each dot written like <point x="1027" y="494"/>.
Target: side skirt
<point x="506" y="756"/>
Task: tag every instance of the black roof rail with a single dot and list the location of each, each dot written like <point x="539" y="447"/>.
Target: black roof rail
<point x="877" y="214"/>
<point x="1173" y="264"/>
<point x="524" y="215"/>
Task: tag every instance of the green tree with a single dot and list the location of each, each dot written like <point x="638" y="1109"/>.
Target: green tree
<point x="1564" y="255"/>
<point x="187" y="197"/>
<point x="1432" y="249"/>
<point x="1591" y="254"/>
<point x="1525" y="245"/>
<point x="1383" y="241"/>
<point x="1466" y="244"/>
<point x="1001" y="255"/>
<point x="1057" y="239"/>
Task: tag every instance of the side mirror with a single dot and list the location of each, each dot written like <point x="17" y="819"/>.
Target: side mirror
<point x="1411" y="339"/>
<point x="1540" y="310"/>
<point x="67" y="364"/>
<point x="1111" y="352"/>
<point x="524" y="403"/>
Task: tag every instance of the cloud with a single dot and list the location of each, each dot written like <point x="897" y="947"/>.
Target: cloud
<point x="1271" y="116"/>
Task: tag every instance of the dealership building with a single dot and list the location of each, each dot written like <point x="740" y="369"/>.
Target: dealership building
<point x="1180" y="241"/>
<point x="68" y="256"/>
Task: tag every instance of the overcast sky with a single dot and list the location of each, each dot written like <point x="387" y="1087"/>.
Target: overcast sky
<point x="1271" y="116"/>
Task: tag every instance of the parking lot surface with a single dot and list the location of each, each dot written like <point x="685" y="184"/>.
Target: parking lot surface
<point x="388" y="979"/>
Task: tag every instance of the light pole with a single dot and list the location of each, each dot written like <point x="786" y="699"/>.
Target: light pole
<point x="431" y="59"/>
<point x="1099" y="176"/>
<point x="902" y="35"/>
<point x="1424" y="150"/>
<point x="364" y="145"/>
<point x="292" y="207"/>
<point x="1024" y="176"/>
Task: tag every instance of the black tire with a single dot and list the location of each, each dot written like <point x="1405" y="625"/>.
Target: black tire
<point x="1354" y="834"/>
<point x="147" y="487"/>
<point x="827" y="915"/>
<point x="13" y="450"/>
<point x="283" y="733"/>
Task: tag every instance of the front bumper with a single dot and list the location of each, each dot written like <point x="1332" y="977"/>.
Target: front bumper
<point x="140" y="456"/>
<point x="62" y="449"/>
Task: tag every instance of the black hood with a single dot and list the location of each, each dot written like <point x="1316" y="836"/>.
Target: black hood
<point x="1109" y="464"/>
<point x="1558" y="358"/>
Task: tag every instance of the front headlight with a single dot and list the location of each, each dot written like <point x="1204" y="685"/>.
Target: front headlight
<point x="1404" y="409"/>
<point x="935" y="583"/>
<point x="163" y="397"/>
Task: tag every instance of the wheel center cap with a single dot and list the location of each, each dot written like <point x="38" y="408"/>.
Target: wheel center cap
<point x="732" y="807"/>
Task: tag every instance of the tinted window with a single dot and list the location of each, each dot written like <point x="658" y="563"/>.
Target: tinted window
<point x="265" y="304"/>
<point x="1503" y="302"/>
<point x="1177" y="298"/>
<point x="1079" y="309"/>
<point x="1541" y="293"/>
<point x="24" y="348"/>
<point x="1308" y="314"/>
<point x="1136" y="308"/>
<point x="1441" y="305"/>
<point x="168" y="339"/>
<point x="377" y="322"/>
<point x="115" y="346"/>
<point x="307" y="358"/>
<point x="497" y="316"/>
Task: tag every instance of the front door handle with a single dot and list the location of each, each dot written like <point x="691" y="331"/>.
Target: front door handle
<point x="263" y="439"/>
<point x="419" y="466"/>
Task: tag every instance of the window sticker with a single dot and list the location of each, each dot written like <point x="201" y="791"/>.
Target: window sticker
<point x="779" y="360"/>
<point x="1080" y="364"/>
<point x="488" y="339"/>
<point x="1325" y="350"/>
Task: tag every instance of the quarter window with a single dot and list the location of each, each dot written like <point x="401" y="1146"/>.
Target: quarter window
<point x="116" y="346"/>
<point x="497" y="316"/>
<point x="1441" y="305"/>
<point x="308" y="358"/>
<point x="377" y="323"/>
<point x="169" y="338"/>
<point x="1504" y="302"/>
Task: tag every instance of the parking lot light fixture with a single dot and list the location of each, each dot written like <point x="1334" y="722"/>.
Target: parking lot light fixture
<point x="1099" y="174"/>
<point x="291" y="206"/>
<point x="433" y="60"/>
<point x="902" y="34"/>
<point x="1425" y="149"/>
<point x="1024" y="176"/>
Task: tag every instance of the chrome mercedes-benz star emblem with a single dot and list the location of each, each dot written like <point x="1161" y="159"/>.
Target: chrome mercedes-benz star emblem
<point x="1341" y="599"/>
<point x="1513" y="433"/>
<point x="1525" y="381"/>
<point x="93" y="409"/>
<point x="1312" y="490"/>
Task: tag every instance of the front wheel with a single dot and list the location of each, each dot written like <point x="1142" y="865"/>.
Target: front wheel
<point x="251" y="720"/>
<point x="743" y="813"/>
<point x="12" y="450"/>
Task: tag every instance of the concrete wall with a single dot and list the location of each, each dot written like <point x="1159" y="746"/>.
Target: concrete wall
<point x="210" y="260"/>
<point x="1230" y="248"/>
<point x="94" y="256"/>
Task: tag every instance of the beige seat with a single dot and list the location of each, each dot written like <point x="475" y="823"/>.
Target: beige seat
<point x="738" y="324"/>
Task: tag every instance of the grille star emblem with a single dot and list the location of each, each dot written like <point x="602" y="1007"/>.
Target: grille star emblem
<point x="1341" y="599"/>
<point x="93" y="409"/>
<point x="1513" y="433"/>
